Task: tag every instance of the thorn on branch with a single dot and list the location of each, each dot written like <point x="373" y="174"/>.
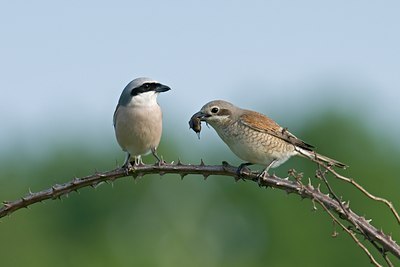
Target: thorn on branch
<point x="202" y="162"/>
<point x="100" y="175"/>
<point x="96" y="184"/>
<point x="334" y="233"/>
<point x="314" y="208"/>
<point x="310" y="184"/>
<point x="6" y="203"/>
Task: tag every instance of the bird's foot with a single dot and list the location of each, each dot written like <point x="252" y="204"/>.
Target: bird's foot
<point x="264" y="174"/>
<point x="261" y="177"/>
<point x="127" y="167"/>
<point x="160" y="162"/>
<point x="241" y="170"/>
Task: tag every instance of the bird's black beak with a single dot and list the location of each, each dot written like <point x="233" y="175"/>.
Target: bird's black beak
<point x="201" y="115"/>
<point x="162" y="88"/>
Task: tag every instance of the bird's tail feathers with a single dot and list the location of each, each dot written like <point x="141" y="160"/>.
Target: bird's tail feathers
<point x="320" y="158"/>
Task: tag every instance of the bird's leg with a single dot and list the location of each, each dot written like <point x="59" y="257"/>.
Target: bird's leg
<point x="127" y="163"/>
<point x="241" y="168"/>
<point x="154" y="152"/>
<point x="264" y="173"/>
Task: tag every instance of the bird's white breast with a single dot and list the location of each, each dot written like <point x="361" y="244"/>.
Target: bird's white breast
<point x="138" y="126"/>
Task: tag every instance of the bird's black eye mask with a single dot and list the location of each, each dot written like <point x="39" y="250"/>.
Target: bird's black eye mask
<point x="146" y="87"/>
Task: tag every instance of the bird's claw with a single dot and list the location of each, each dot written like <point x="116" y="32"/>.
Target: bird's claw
<point x="242" y="169"/>
<point x="261" y="177"/>
<point x="127" y="167"/>
<point x="160" y="163"/>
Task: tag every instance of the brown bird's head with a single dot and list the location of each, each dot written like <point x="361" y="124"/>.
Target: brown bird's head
<point x="218" y="113"/>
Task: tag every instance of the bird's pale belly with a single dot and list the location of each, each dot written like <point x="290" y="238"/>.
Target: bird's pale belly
<point x="139" y="132"/>
<point x="256" y="147"/>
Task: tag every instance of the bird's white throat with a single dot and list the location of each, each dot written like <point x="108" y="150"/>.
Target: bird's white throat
<point x="146" y="99"/>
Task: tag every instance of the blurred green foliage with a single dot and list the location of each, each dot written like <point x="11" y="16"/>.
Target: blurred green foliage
<point x="168" y="222"/>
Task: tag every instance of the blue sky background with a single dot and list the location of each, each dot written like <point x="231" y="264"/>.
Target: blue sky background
<point x="64" y="64"/>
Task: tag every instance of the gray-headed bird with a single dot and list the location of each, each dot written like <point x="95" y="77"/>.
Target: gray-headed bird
<point x="138" y="119"/>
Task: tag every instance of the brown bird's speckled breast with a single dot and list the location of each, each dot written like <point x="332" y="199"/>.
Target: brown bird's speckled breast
<point x="255" y="146"/>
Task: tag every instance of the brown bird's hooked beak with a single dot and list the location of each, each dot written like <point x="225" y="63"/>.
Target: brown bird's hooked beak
<point x="201" y="116"/>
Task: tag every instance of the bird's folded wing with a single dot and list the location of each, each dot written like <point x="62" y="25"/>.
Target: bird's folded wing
<point x="262" y="123"/>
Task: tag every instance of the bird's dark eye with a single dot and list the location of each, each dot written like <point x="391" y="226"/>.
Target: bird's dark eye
<point x="214" y="110"/>
<point x="146" y="85"/>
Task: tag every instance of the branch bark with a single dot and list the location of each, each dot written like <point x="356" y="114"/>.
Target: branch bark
<point x="371" y="233"/>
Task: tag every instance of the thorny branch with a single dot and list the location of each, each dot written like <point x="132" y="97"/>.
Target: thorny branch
<point x="321" y="175"/>
<point x="359" y="187"/>
<point x="351" y="233"/>
<point x="383" y="242"/>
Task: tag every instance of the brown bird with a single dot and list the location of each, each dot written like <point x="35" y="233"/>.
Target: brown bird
<point x="255" y="138"/>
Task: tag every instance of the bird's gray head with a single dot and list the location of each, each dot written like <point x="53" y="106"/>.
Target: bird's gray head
<point x="218" y="113"/>
<point x="141" y="91"/>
